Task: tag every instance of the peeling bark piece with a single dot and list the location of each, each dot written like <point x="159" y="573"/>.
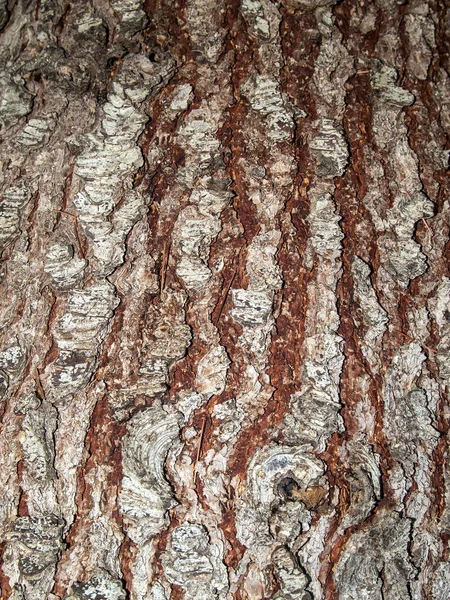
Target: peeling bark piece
<point x="131" y="16"/>
<point x="100" y="586"/>
<point x="89" y="26"/>
<point x="35" y="133"/>
<point x="408" y="210"/>
<point x="79" y="334"/>
<point x="383" y="80"/>
<point x="42" y="534"/>
<point x="14" y="200"/>
<point x="65" y="269"/>
<point x="146" y="495"/>
<point x="405" y="261"/>
<point x="182" y="98"/>
<point x="412" y="415"/>
<point x="421" y="33"/>
<point x="89" y="311"/>
<point x="314" y="411"/>
<point x="440" y="305"/>
<point x="169" y="341"/>
<point x="164" y="343"/>
<point x="38" y="428"/>
<point x="15" y="100"/>
<point x="375" y="563"/>
<point x="193" y="563"/>
<point x="212" y="372"/>
<point x="197" y="134"/>
<point x="263" y="271"/>
<point x="266" y="99"/>
<point x="194" y="234"/>
<point x="326" y="233"/>
<point x="364" y="481"/>
<point x="263" y="19"/>
<point x="204" y="19"/>
<point x="193" y="271"/>
<point x="12" y="357"/>
<point x="311" y="4"/>
<point x="36" y="543"/>
<point x="401" y="256"/>
<point x="291" y="518"/>
<point x="292" y="579"/>
<point x="409" y="410"/>
<point x="230" y="418"/>
<point x="330" y="149"/>
<point x="253" y="10"/>
<point x="111" y="248"/>
<point x="251" y="308"/>
<point x="374" y="317"/>
<point x="111" y="154"/>
<point x="313" y="419"/>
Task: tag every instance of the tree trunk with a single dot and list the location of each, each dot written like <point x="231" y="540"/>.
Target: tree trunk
<point x="225" y="320"/>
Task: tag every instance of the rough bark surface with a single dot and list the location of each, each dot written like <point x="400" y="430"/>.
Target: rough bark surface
<point x="225" y="319"/>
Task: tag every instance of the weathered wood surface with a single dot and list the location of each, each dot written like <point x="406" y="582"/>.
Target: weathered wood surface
<point x="225" y="317"/>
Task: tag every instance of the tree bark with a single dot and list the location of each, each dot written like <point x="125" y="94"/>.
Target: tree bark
<point x="225" y="320"/>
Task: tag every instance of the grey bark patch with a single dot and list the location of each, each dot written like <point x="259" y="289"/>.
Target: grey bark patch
<point x="15" y="100"/>
<point x="383" y="80"/>
<point x="330" y="149"/>
<point x="14" y="200"/>
<point x="101" y="586"/>
<point x="65" y="269"/>
<point x="377" y="563"/>
<point x="194" y="564"/>
<point x="4" y="381"/>
<point x="146" y="495"/>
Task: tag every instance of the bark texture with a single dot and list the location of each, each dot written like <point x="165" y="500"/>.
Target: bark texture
<point x="225" y="319"/>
